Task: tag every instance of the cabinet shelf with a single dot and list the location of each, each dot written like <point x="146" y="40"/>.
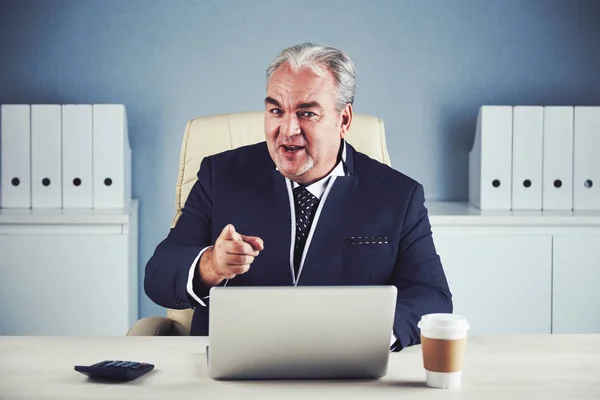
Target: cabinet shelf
<point x="466" y="214"/>
<point x="18" y="216"/>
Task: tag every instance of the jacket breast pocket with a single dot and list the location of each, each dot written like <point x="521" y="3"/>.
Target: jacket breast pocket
<point x="367" y="260"/>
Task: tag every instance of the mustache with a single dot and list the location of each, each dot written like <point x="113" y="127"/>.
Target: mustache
<point x="291" y="143"/>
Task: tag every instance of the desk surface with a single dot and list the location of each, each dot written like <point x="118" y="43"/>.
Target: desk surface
<point x="497" y="367"/>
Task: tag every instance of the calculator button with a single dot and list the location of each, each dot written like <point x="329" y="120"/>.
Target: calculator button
<point x="101" y="363"/>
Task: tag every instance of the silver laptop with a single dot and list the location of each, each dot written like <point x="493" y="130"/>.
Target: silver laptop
<point x="300" y="332"/>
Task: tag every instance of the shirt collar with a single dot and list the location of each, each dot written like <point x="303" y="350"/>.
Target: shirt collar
<point x="318" y="188"/>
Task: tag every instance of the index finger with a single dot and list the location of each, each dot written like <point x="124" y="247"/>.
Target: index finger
<point x="254" y="241"/>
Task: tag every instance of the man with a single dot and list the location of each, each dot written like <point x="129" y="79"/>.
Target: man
<point x="302" y="208"/>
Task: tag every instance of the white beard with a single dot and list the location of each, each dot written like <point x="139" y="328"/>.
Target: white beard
<point x="307" y="166"/>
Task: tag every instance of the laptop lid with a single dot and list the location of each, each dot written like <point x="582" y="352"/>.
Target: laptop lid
<point x="300" y="332"/>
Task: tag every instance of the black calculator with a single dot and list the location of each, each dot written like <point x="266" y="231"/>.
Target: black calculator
<point x="115" y="370"/>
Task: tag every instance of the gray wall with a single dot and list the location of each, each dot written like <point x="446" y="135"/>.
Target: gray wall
<point x="423" y="66"/>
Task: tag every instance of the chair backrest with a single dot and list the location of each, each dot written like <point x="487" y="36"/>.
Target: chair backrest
<point x="209" y="135"/>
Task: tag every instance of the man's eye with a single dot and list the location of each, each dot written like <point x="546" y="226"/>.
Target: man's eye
<point x="307" y="114"/>
<point x="275" y="111"/>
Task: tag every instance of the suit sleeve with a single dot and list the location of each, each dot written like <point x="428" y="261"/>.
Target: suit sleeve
<point x="167" y="271"/>
<point x="418" y="274"/>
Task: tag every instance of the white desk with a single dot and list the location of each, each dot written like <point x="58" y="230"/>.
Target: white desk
<point x="497" y="367"/>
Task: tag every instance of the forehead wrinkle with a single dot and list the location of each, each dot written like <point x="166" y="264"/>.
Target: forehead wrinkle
<point x="286" y="87"/>
<point x="295" y="98"/>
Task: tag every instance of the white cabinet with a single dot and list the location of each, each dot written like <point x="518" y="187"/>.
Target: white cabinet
<point x="576" y="284"/>
<point x="68" y="272"/>
<point x="513" y="272"/>
<point x="502" y="283"/>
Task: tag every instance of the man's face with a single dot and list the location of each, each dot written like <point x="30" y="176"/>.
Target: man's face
<point x="302" y="126"/>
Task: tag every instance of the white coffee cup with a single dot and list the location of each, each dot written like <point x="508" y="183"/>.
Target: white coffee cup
<point x="443" y="338"/>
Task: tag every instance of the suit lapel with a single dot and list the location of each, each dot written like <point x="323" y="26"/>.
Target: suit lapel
<point x="265" y="212"/>
<point x="278" y="221"/>
<point x="324" y="260"/>
<point x="323" y="263"/>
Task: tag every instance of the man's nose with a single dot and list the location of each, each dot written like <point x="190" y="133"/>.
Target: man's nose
<point x="290" y="125"/>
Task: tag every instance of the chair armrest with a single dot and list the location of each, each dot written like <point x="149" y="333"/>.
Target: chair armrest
<point x="153" y="326"/>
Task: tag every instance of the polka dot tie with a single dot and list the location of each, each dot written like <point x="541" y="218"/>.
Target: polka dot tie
<point x="306" y="205"/>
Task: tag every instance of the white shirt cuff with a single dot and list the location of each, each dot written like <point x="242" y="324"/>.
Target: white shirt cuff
<point x="190" y="285"/>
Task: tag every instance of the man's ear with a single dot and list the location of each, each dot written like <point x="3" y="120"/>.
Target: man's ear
<point x="346" y="120"/>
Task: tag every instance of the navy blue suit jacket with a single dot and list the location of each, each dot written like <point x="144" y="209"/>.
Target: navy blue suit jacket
<point x="243" y="187"/>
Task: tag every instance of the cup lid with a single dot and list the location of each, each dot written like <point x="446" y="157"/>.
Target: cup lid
<point x="444" y="321"/>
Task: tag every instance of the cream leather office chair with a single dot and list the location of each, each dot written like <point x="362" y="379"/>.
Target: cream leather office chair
<point x="205" y="136"/>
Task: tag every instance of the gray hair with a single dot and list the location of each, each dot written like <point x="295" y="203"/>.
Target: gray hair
<point x="320" y="59"/>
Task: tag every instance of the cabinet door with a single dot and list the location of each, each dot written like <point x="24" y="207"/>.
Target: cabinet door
<point x="576" y="284"/>
<point x="500" y="282"/>
<point x="64" y="284"/>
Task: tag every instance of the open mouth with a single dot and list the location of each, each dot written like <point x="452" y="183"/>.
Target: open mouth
<point x="291" y="150"/>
